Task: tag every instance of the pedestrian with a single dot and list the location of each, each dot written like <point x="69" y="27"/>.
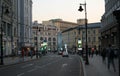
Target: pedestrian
<point x="23" y="54"/>
<point x="96" y="52"/>
<point x="31" y="53"/>
<point x="110" y="57"/>
<point x="89" y="51"/>
<point x="103" y="54"/>
<point x="92" y="51"/>
<point x="37" y="53"/>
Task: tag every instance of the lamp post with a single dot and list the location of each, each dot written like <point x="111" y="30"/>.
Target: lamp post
<point x="81" y="9"/>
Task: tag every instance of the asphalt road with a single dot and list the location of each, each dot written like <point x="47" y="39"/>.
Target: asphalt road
<point x="49" y="65"/>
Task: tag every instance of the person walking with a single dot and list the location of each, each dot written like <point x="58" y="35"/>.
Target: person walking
<point x="92" y="51"/>
<point x="103" y="54"/>
<point x="31" y="53"/>
<point x="110" y="57"/>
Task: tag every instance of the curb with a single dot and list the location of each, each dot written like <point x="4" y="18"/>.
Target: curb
<point x="82" y="67"/>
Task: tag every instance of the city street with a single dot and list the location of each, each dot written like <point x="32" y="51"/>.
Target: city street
<point x="49" y="65"/>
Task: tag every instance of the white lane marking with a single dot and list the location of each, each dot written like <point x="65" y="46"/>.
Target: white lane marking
<point x="64" y="65"/>
<point x="32" y="70"/>
<point x="28" y="65"/>
<point x="20" y="74"/>
<point x="39" y="67"/>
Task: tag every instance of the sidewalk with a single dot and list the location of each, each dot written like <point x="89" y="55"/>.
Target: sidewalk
<point x="97" y="68"/>
<point x="14" y="60"/>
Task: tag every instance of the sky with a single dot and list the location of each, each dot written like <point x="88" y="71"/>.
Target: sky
<point x="67" y="10"/>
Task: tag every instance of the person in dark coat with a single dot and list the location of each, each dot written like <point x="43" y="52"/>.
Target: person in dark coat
<point x="110" y="56"/>
<point x="103" y="54"/>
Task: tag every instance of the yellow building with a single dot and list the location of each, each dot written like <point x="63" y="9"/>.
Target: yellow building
<point x="72" y="35"/>
<point x="60" y="24"/>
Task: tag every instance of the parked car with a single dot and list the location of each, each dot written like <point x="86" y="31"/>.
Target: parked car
<point x="65" y="54"/>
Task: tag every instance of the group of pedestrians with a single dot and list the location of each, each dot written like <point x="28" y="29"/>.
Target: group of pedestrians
<point x="109" y="54"/>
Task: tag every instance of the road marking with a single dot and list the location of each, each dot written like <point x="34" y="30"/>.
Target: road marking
<point x="64" y="65"/>
<point x="32" y="70"/>
<point x="39" y="67"/>
<point x="20" y="74"/>
<point x="28" y="65"/>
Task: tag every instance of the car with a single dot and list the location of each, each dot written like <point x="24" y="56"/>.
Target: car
<point x="65" y="54"/>
<point x="59" y="52"/>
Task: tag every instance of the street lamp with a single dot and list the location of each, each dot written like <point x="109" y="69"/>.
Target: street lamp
<point x="6" y="11"/>
<point x="81" y="9"/>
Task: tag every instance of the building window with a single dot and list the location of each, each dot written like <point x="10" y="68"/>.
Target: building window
<point x="35" y="38"/>
<point x="89" y="40"/>
<point x="9" y="30"/>
<point x="49" y="43"/>
<point x="49" y="39"/>
<point x="94" y="39"/>
<point x="88" y="32"/>
<point x="94" y="32"/>
<point x="41" y="38"/>
<point x="54" y="39"/>
<point x="83" y="32"/>
<point x="54" y="43"/>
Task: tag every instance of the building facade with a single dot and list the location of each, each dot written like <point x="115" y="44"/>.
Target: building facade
<point x="15" y="24"/>
<point x="72" y="35"/>
<point x="45" y="33"/>
<point x="109" y="32"/>
<point x="24" y="23"/>
<point x="61" y="25"/>
<point x="8" y="22"/>
<point x="81" y="21"/>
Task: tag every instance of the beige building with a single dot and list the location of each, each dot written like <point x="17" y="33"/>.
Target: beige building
<point x="81" y="21"/>
<point x="45" y="33"/>
<point x="72" y="35"/>
<point x="60" y="24"/>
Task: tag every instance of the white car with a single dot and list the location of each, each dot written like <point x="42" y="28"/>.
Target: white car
<point x="65" y="54"/>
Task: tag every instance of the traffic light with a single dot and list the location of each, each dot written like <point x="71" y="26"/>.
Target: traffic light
<point x="79" y="45"/>
<point x="116" y="13"/>
<point x="45" y="47"/>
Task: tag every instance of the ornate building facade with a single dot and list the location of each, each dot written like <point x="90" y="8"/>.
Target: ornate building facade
<point x="109" y="32"/>
<point x="15" y="24"/>
<point x="45" y="33"/>
<point x="8" y="22"/>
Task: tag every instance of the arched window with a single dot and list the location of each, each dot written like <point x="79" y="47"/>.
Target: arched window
<point x="49" y="39"/>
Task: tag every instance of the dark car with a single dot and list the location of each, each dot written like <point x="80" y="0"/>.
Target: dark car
<point x="59" y="52"/>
